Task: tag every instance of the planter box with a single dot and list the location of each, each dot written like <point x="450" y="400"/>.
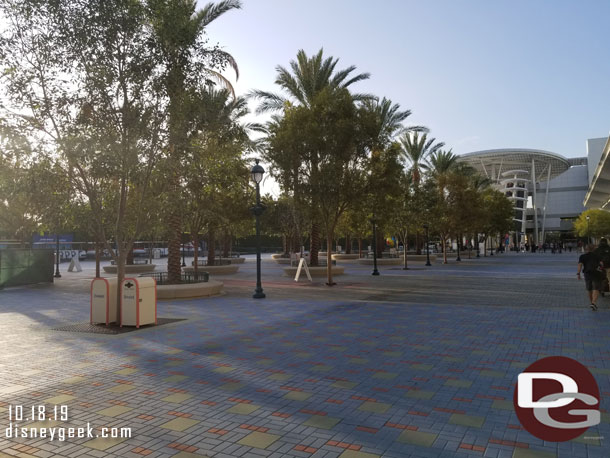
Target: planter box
<point x="343" y="256"/>
<point x="234" y="260"/>
<point x="131" y="268"/>
<point x="314" y="271"/>
<point x="418" y="258"/>
<point x="382" y="261"/>
<point x="210" y="288"/>
<point x="215" y="270"/>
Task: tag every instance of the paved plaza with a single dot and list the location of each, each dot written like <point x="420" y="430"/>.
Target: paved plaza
<point x="417" y="363"/>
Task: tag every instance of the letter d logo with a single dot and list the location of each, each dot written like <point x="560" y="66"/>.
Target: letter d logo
<point x="557" y="399"/>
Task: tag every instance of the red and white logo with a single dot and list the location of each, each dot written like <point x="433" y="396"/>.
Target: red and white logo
<point x="557" y="399"/>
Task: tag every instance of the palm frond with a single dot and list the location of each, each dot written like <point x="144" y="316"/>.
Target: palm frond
<point x="218" y="78"/>
<point x="213" y="11"/>
<point x="229" y="59"/>
<point x="268" y="100"/>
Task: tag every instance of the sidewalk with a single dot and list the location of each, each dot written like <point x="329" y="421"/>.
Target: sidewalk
<point x="417" y="363"/>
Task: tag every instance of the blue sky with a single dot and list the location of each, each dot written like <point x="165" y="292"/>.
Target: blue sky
<point x="479" y="73"/>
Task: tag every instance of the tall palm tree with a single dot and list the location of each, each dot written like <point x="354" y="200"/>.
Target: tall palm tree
<point x="388" y="119"/>
<point x="415" y="149"/>
<point x="179" y="30"/>
<point x="307" y="77"/>
<point x="441" y="162"/>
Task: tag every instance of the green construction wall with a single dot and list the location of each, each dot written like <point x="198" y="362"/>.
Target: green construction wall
<point x="25" y="267"/>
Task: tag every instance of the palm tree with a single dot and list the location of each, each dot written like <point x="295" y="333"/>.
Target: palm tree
<point x="309" y="76"/>
<point x="415" y="150"/>
<point x="441" y="162"/>
<point x="179" y="32"/>
<point x="388" y="120"/>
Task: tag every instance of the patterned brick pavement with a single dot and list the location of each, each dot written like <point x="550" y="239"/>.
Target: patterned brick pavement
<point x="418" y="363"/>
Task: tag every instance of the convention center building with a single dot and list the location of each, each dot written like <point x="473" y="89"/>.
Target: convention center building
<point x="547" y="189"/>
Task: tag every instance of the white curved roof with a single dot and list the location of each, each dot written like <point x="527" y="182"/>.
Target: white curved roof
<point x="493" y="162"/>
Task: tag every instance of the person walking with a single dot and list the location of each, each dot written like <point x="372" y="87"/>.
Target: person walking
<point x="603" y="253"/>
<point x="590" y="264"/>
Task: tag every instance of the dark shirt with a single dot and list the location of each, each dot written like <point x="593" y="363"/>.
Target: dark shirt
<point x="603" y="252"/>
<point x="590" y="262"/>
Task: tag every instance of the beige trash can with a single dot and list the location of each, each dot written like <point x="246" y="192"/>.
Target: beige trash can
<point x="139" y="304"/>
<point x="104" y="300"/>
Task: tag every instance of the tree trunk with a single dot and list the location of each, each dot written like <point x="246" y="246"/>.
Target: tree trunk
<point x="359" y="247"/>
<point x="379" y="243"/>
<point x="348" y="244"/>
<point x="174" y="265"/>
<point x="314" y="244"/>
<point x="284" y="244"/>
<point x="404" y="244"/>
<point x="329" y="260"/>
<point x="97" y="260"/>
<point x="417" y="247"/>
<point x="485" y="245"/>
<point x="130" y="257"/>
<point x="120" y="274"/>
<point x="226" y="245"/>
<point x="444" y="241"/>
<point x="296" y="244"/>
<point x="211" y="247"/>
<point x="196" y="253"/>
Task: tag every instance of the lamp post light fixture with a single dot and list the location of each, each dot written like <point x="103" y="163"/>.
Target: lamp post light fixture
<point x="374" y="223"/>
<point x="257" y="173"/>
<point x="588" y="229"/>
<point x="427" y="247"/>
<point x="57" y="274"/>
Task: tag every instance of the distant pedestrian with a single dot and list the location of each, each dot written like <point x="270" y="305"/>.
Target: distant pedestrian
<point x="590" y="264"/>
<point x="544" y="247"/>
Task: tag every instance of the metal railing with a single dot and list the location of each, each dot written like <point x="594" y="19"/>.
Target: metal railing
<point x="187" y="277"/>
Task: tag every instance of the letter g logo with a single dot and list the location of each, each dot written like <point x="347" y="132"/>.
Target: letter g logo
<point x="563" y="387"/>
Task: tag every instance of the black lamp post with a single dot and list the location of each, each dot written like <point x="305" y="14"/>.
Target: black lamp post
<point x="427" y="247"/>
<point x="57" y="274"/>
<point x="588" y="229"/>
<point x="257" y="173"/>
<point x="374" y="223"/>
<point x="478" y="245"/>
<point x="459" y="242"/>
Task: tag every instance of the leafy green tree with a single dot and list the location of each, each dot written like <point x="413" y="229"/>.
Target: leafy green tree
<point x="413" y="208"/>
<point x="383" y="186"/>
<point x="79" y="82"/>
<point x="307" y="78"/>
<point x="215" y="178"/>
<point x="331" y="154"/>
<point x="282" y="217"/>
<point x="597" y="226"/>
<point x="498" y="213"/>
